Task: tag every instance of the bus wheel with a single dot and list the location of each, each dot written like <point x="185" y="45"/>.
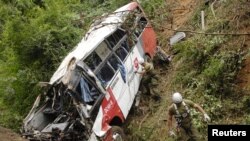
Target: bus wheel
<point x="118" y="134"/>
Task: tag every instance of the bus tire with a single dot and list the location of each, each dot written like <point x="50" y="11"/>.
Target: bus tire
<point x="118" y="134"/>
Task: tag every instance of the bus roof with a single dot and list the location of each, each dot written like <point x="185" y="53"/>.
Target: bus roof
<point x="94" y="36"/>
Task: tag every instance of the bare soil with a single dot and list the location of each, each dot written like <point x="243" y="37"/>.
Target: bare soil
<point x="243" y="78"/>
<point x="9" y="135"/>
<point x="180" y="11"/>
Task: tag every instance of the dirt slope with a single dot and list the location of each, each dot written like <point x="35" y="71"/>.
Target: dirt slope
<point x="8" y="135"/>
<point x="180" y="12"/>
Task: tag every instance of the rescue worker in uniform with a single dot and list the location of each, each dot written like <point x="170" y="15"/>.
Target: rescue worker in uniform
<point x="180" y="109"/>
<point x="149" y="79"/>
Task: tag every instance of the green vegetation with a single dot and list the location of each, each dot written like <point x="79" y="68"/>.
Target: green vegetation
<point x="204" y="69"/>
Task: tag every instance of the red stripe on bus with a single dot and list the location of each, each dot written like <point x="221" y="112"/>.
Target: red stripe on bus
<point x="110" y="109"/>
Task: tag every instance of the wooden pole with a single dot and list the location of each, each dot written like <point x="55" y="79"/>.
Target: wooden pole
<point x="202" y="21"/>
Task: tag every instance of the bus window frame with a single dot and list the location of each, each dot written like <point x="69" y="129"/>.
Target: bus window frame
<point x="119" y="44"/>
<point x="97" y="73"/>
<point x="113" y="34"/>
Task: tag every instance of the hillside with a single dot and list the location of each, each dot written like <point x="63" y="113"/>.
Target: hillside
<point x="211" y="66"/>
<point x="8" y="135"/>
<point x="212" y="70"/>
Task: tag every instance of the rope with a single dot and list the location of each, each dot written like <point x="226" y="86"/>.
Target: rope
<point x="196" y="32"/>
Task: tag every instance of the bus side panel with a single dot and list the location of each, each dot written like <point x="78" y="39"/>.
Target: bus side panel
<point x="149" y="40"/>
<point x="136" y="54"/>
<point x="108" y="110"/>
<point x="121" y="93"/>
<point x="129" y="83"/>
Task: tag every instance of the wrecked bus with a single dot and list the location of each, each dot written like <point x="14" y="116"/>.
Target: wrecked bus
<point x="91" y="93"/>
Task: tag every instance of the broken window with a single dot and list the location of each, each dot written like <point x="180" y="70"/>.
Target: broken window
<point x="87" y="91"/>
<point x="115" y="38"/>
<point x="105" y="74"/>
<point x="93" y="60"/>
<point x="132" y="40"/>
<point x="125" y="45"/>
<point x="140" y="25"/>
<point x="111" y="41"/>
<point x="102" y="50"/>
<point x="114" y="62"/>
<point x="119" y="34"/>
<point x="97" y="56"/>
<point x="121" y="53"/>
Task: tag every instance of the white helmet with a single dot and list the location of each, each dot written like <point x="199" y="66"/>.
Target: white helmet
<point x="177" y="98"/>
<point x="140" y="60"/>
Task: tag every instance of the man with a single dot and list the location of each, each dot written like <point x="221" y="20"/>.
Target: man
<point x="149" y="79"/>
<point x="180" y="109"/>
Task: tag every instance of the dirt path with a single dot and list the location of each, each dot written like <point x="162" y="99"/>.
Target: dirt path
<point x="244" y="74"/>
<point x="180" y="12"/>
<point x="8" y="135"/>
